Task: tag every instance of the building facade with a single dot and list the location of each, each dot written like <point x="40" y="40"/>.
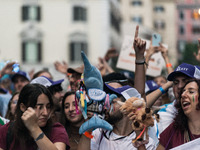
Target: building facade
<point x="152" y="16"/>
<point x="37" y="33"/>
<point x="188" y="22"/>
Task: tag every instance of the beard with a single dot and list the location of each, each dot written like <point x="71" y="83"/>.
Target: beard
<point x="114" y="118"/>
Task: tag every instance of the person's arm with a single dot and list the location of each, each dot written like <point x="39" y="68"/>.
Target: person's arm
<point x="84" y="143"/>
<point x="150" y="51"/>
<point x="164" y="52"/>
<point x="30" y="120"/>
<point x="153" y="96"/>
<point x="112" y="52"/>
<point x="61" y="67"/>
<point x="139" y="47"/>
<point x="7" y="69"/>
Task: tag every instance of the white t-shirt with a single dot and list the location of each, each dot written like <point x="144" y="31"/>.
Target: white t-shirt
<point x="100" y="142"/>
<point x="167" y="116"/>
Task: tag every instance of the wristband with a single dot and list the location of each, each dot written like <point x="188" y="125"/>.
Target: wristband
<point x="162" y="90"/>
<point x="40" y="136"/>
<point x="168" y="65"/>
<point x="88" y="134"/>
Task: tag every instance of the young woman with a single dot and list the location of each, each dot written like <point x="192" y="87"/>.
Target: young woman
<point x="71" y="120"/>
<point x="12" y="106"/>
<point x="186" y="126"/>
<point x="33" y="128"/>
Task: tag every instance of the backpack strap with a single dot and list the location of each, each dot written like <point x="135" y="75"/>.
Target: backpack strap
<point x="9" y="136"/>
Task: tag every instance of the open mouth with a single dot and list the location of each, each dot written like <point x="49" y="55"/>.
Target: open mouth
<point x="185" y="104"/>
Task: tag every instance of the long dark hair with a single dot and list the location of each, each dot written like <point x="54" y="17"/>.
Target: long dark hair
<point x="65" y="122"/>
<point x="9" y="115"/>
<point x="181" y="121"/>
<point x="28" y="96"/>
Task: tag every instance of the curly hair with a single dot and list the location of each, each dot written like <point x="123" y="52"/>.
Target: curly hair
<point x="181" y="120"/>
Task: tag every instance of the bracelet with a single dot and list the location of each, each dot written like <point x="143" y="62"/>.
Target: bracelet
<point x="140" y="62"/>
<point x="162" y="90"/>
<point x="88" y="134"/>
<point x="168" y="65"/>
<point x="40" y="136"/>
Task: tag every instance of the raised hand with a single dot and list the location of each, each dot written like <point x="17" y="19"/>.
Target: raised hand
<point x="7" y="69"/>
<point x="30" y="119"/>
<point x="139" y="45"/>
<point x="197" y="55"/>
<point x="112" y="52"/>
<point x="61" y="67"/>
<point x="163" y="50"/>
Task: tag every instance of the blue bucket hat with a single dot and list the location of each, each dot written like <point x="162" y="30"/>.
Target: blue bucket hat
<point x="186" y="69"/>
<point x="150" y="86"/>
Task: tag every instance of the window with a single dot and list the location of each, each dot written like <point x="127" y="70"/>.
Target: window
<point x="80" y="13"/>
<point x="31" y="13"/>
<point x="137" y="19"/>
<point x="31" y="52"/>
<point x="181" y="15"/>
<point x="136" y="3"/>
<point x="159" y="24"/>
<point x="196" y="29"/>
<point x="181" y="30"/>
<point x="159" y="9"/>
<point x="75" y="50"/>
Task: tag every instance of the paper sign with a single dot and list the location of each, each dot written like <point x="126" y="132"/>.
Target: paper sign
<point x="192" y="145"/>
<point x="126" y="58"/>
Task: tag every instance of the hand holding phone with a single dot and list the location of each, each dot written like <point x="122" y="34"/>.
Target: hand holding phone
<point x="156" y="39"/>
<point x="15" y="67"/>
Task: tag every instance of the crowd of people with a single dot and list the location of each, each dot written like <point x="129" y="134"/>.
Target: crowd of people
<point x="36" y="112"/>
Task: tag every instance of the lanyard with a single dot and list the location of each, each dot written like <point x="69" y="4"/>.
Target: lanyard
<point x="104" y="133"/>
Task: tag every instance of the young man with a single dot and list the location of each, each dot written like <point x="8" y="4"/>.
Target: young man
<point x="122" y="135"/>
<point x="20" y="79"/>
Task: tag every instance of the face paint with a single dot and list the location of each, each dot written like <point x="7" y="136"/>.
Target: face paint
<point x="196" y="98"/>
<point x="193" y="98"/>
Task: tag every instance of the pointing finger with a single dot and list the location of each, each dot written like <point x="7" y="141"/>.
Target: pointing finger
<point x="136" y="31"/>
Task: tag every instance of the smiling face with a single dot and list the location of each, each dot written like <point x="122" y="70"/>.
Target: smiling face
<point x="42" y="110"/>
<point x="189" y="98"/>
<point x="70" y="111"/>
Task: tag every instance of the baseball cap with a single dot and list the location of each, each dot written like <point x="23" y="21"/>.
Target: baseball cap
<point x="20" y="73"/>
<point x="150" y="86"/>
<point x="79" y="69"/>
<point x="126" y="91"/>
<point x="46" y="81"/>
<point x="186" y="69"/>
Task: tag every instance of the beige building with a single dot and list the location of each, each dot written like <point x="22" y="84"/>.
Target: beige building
<point x="36" y="33"/>
<point x="152" y="16"/>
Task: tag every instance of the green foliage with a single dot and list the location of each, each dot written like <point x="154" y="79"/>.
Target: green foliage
<point x="188" y="56"/>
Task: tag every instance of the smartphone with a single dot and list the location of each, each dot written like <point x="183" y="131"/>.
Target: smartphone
<point x="156" y="39"/>
<point x="15" y="67"/>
